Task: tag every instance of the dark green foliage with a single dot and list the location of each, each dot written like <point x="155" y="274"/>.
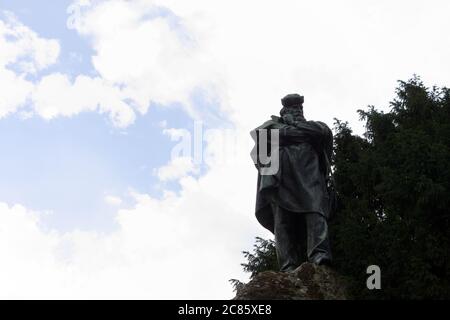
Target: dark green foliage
<point x="393" y="189"/>
<point x="394" y="192"/>
<point x="263" y="257"/>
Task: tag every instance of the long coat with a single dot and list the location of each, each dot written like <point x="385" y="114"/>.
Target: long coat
<point x="300" y="185"/>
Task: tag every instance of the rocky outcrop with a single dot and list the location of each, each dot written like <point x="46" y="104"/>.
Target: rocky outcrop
<point x="307" y="282"/>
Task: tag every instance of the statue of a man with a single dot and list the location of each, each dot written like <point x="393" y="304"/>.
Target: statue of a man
<point x="294" y="202"/>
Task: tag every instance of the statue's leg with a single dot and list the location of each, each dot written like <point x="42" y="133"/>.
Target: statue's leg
<point x="287" y="238"/>
<point x="317" y="239"/>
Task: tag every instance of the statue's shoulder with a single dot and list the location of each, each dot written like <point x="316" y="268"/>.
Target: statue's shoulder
<point x="320" y="123"/>
<point x="328" y="134"/>
<point x="275" y="118"/>
<point x="273" y="123"/>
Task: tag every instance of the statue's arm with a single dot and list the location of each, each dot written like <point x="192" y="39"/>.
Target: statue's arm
<point x="327" y="141"/>
<point x="310" y="131"/>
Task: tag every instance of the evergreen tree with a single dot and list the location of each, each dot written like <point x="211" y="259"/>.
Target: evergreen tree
<point x="394" y="192"/>
<point x="263" y="258"/>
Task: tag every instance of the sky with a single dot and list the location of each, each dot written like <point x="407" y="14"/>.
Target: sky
<point x="124" y="128"/>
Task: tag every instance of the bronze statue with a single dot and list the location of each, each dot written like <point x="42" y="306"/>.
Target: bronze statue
<point x="294" y="201"/>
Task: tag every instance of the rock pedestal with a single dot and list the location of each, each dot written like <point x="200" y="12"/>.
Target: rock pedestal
<point x="307" y="282"/>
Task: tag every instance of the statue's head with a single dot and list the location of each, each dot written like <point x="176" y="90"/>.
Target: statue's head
<point x="293" y="100"/>
<point x="292" y="111"/>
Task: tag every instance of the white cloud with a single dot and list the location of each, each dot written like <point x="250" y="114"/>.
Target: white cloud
<point x="177" y="168"/>
<point x="157" y="58"/>
<point x="55" y="96"/>
<point x="28" y="53"/>
<point x="27" y="252"/>
<point x="176" y="133"/>
<point x="113" y="200"/>
<point x="15" y="92"/>
<point x="22" y="45"/>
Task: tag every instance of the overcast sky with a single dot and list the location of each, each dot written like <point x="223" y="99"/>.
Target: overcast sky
<point x="99" y="198"/>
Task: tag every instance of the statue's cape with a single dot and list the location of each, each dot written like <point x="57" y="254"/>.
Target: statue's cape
<point x="304" y="166"/>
